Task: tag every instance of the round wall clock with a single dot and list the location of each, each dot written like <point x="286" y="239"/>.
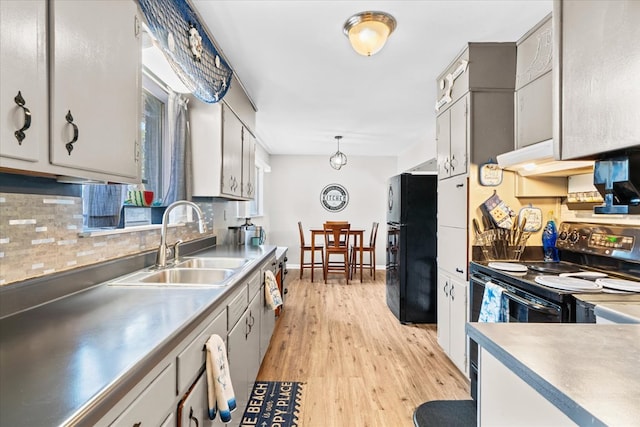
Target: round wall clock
<point x="334" y="197"/>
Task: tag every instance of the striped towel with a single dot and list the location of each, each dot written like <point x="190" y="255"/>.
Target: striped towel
<point x="219" y="389"/>
<point x="495" y="307"/>
<point x="271" y="292"/>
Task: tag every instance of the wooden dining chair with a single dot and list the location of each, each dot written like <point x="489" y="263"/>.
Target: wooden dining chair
<point x="334" y="234"/>
<point x="304" y="248"/>
<point x="339" y="223"/>
<point x="368" y="249"/>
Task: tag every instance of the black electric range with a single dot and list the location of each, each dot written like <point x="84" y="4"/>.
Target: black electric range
<point x="610" y="249"/>
<point x="604" y="248"/>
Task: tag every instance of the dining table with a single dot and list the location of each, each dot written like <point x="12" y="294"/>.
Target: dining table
<point x="358" y="236"/>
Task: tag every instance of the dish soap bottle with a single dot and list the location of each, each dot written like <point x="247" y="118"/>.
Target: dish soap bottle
<point x="549" y="237"/>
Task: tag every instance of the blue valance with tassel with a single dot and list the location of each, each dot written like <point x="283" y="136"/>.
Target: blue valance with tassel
<point x="188" y="48"/>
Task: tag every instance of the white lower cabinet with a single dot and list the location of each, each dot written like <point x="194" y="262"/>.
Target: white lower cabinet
<point x="243" y="348"/>
<point x="153" y="404"/>
<point x="174" y="393"/>
<point x="192" y="358"/>
<point x="452" y="317"/>
<point x="170" y="421"/>
<point x="193" y="409"/>
<point x="267" y="324"/>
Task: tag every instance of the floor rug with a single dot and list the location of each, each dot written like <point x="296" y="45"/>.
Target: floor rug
<point x="273" y="403"/>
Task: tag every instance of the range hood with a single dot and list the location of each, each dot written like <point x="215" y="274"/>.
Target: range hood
<point x="538" y="160"/>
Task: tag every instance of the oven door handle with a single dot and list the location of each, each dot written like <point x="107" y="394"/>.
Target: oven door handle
<point x="527" y="303"/>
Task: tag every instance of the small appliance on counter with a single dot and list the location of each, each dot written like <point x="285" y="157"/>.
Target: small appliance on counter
<point x="247" y="234"/>
<point x="618" y="181"/>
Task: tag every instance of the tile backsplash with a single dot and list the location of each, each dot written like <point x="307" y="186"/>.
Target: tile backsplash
<point x="40" y="235"/>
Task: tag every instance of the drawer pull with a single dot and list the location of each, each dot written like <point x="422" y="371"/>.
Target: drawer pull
<point x="459" y="270"/>
<point x="69" y="145"/>
<point x="191" y="417"/>
<point x="19" y="134"/>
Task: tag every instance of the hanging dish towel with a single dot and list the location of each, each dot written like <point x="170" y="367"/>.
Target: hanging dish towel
<point x="495" y="307"/>
<point x="271" y="292"/>
<point x="219" y="389"/>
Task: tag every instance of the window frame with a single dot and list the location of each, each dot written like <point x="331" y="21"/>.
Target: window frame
<point x="152" y="86"/>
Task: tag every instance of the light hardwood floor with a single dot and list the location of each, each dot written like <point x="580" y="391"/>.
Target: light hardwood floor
<point x="359" y="365"/>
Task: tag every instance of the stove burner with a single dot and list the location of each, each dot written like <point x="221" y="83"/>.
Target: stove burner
<point x="553" y="267"/>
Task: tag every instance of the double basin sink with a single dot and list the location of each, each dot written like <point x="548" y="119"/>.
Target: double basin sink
<point x="194" y="272"/>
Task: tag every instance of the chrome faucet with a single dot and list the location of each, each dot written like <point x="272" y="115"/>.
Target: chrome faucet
<point x="161" y="257"/>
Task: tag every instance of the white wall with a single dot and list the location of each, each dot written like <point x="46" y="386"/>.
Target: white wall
<point x="418" y="153"/>
<point x="294" y="187"/>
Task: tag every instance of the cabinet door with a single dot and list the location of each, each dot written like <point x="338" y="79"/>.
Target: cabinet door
<point x="452" y="202"/>
<point x="248" y="164"/>
<point x="253" y="341"/>
<point x="534" y="54"/>
<point x="534" y="112"/>
<point x="452" y="251"/>
<point x="444" y="287"/>
<point x="192" y="358"/>
<point x="23" y="48"/>
<point x="600" y="65"/>
<point x="239" y="359"/>
<point x="457" y="322"/>
<point x="154" y="403"/>
<point x="193" y="409"/>
<point x="443" y="140"/>
<point x="95" y="83"/>
<point x="267" y="325"/>
<point x="231" y="153"/>
<point x="459" y="136"/>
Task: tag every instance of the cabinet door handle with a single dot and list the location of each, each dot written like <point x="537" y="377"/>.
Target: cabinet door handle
<point x="453" y="296"/>
<point x="191" y="417"/>
<point x="69" y="144"/>
<point x="446" y="289"/>
<point x="446" y="165"/>
<point x="453" y="163"/>
<point x="19" y="134"/>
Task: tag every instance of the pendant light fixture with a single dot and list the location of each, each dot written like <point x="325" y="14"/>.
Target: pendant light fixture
<point x="369" y="31"/>
<point x="338" y="160"/>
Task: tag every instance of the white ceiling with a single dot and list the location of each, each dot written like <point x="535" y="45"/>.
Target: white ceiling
<point x="309" y="85"/>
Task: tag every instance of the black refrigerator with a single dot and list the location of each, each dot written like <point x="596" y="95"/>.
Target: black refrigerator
<point x="411" y="276"/>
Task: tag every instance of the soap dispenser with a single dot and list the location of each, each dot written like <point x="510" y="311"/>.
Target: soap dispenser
<point x="549" y="237"/>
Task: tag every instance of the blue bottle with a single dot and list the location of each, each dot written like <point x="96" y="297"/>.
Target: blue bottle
<point x="549" y="237"/>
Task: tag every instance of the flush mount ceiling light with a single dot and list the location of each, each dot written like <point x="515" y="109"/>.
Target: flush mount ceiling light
<point x="339" y="159"/>
<point x="368" y="31"/>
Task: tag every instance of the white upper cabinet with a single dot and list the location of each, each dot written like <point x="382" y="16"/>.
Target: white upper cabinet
<point x="23" y="83"/>
<point x="218" y="155"/>
<point x="76" y="65"/>
<point x="95" y="86"/>
<point x="231" y="153"/>
<point x="248" y="164"/>
<point x="597" y="69"/>
<point x="533" y="101"/>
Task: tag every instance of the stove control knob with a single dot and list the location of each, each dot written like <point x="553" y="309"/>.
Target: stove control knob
<point x="574" y="237"/>
<point x="563" y="235"/>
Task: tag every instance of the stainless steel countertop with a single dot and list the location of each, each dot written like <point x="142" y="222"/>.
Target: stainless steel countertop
<point x="70" y="356"/>
<point x="619" y="312"/>
<point x="588" y="371"/>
